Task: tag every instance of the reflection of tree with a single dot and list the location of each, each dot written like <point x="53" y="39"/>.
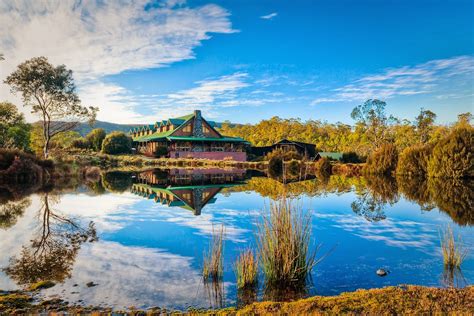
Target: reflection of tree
<point x="455" y="197"/>
<point x="416" y="189"/>
<point x="453" y="277"/>
<point x="53" y="249"/>
<point x="11" y="211"/>
<point x="116" y="181"/>
<point x="246" y="296"/>
<point x="371" y="202"/>
<point x="281" y="293"/>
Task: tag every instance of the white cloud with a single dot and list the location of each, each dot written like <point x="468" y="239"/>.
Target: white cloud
<point x="96" y="39"/>
<point x="451" y="76"/>
<point x="269" y="16"/>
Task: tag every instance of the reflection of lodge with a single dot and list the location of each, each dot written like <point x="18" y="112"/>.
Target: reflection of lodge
<point x="188" y="189"/>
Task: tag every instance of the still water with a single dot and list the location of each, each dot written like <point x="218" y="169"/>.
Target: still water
<point x="137" y="239"/>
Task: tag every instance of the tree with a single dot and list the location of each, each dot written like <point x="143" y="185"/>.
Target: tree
<point x="51" y="93"/>
<point x="382" y="161"/>
<point x="413" y="161"/>
<point x="14" y="131"/>
<point x="453" y="156"/>
<point x="117" y="143"/>
<point x="95" y="138"/>
<point x="464" y="120"/>
<point x="372" y="115"/>
<point x="424" y="124"/>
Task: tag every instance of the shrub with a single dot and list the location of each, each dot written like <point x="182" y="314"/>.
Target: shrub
<point x="160" y="151"/>
<point x="117" y="143"/>
<point x="452" y="249"/>
<point x="453" y="155"/>
<point x="284" y="155"/>
<point x="413" y="161"/>
<point x="95" y="138"/>
<point x="275" y="166"/>
<point x="383" y="160"/>
<point x="323" y="167"/>
<point x="351" y="157"/>
<point x="81" y="143"/>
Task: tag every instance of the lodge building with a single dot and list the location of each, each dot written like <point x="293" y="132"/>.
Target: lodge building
<point x="189" y="136"/>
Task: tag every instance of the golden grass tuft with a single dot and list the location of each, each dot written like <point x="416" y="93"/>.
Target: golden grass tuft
<point x="453" y="250"/>
<point x="214" y="258"/>
<point x="246" y="269"/>
<point x="283" y="239"/>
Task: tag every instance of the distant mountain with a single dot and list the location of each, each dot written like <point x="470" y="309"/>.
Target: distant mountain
<point x="85" y="128"/>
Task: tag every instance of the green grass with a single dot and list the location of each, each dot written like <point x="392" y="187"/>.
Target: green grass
<point x="213" y="259"/>
<point x="452" y="249"/>
<point x="246" y="269"/>
<point x="283" y="239"/>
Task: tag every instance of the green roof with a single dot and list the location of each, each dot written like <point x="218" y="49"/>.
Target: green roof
<point x="209" y="139"/>
<point x="154" y="136"/>
<point x="331" y="155"/>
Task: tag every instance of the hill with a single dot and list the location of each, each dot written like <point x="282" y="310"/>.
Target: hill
<point x="85" y="128"/>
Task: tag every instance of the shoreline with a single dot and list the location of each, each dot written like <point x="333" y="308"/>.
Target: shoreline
<point x="403" y="299"/>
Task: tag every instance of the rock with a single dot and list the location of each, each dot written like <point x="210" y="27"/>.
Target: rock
<point x="382" y="272"/>
<point x="41" y="285"/>
<point x="91" y="284"/>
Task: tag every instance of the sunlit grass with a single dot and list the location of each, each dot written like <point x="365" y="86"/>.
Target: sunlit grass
<point x="213" y="259"/>
<point x="246" y="269"/>
<point x="283" y="240"/>
<point x="452" y="248"/>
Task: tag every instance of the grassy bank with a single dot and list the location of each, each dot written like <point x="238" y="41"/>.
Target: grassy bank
<point x="401" y="300"/>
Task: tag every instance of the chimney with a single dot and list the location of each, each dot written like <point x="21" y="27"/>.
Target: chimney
<point x="197" y="126"/>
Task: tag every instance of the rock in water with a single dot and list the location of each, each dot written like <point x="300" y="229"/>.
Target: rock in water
<point x="382" y="272"/>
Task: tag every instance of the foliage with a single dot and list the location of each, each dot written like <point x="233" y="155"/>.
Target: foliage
<point x="453" y="156"/>
<point x="213" y="268"/>
<point x="117" y="143"/>
<point x="14" y="132"/>
<point x="351" y="157"/>
<point x="246" y="269"/>
<point x="424" y="124"/>
<point x="57" y="142"/>
<point x="95" y="138"/>
<point x="413" y="161"/>
<point x="161" y="151"/>
<point x="275" y="167"/>
<point x="323" y="167"/>
<point x="11" y="211"/>
<point x="453" y="251"/>
<point x="81" y="143"/>
<point x="283" y="240"/>
<point x="382" y="161"/>
<point x="116" y="181"/>
<point x="51" y="93"/>
<point x="371" y="115"/>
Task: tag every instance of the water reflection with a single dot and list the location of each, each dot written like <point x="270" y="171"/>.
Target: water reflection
<point x="53" y="249"/>
<point x="151" y="245"/>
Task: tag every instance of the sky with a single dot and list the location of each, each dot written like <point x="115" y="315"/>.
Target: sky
<point x="141" y="61"/>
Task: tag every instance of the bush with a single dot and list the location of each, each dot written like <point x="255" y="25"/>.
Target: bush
<point x="383" y="160"/>
<point x="81" y="143"/>
<point x="117" y="143"/>
<point x="351" y="157"/>
<point x="453" y="155"/>
<point x="95" y="138"/>
<point x="160" y="151"/>
<point x="413" y="161"/>
<point x="275" y="166"/>
<point x="323" y="167"/>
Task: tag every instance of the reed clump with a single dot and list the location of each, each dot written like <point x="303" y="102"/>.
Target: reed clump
<point x="214" y="258"/>
<point x="283" y="239"/>
<point x="246" y="269"/>
<point x="453" y="251"/>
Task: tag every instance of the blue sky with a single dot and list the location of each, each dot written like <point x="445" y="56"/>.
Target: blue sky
<point x="245" y="61"/>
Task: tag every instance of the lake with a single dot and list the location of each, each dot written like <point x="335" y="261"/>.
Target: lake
<point x="138" y="239"/>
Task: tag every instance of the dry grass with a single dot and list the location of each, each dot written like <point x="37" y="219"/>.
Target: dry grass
<point x="214" y="258"/>
<point x="283" y="240"/>
<point x="453" y="251"/>
<point x="246" y="269"/>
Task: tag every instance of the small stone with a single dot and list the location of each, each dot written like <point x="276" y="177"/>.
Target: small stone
<point x="91" y="284"/>
<point x="382" y="272"/>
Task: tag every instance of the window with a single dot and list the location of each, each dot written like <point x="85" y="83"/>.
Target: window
<point x="217" y="147"/>
<point x="183" y="147"/>
<point x="187" y="128"/>
<point x="205" y="130"/>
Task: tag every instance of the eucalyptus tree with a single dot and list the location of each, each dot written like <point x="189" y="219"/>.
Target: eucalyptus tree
<point x="51" y="93"/>
<point x="424" y="124"/>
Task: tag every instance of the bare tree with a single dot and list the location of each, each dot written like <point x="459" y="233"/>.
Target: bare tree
<point x="51" y="93"/>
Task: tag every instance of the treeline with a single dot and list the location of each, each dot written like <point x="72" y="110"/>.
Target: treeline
<point x="372" y="129"/>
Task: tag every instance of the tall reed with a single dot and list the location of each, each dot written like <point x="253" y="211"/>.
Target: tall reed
<point x="246" y="269"/>
<point x="283" y="239"/>
<point x="213" y="259"/>
<point x="453" y="251"/>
